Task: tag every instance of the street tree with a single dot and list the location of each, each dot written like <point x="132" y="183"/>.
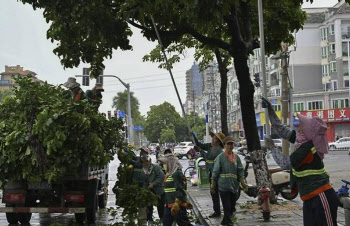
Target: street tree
<point x="4" y="93"/>
<point x="88" y="31"/>
<point x="167" y="135"/>
<point x="205" y="55"/>
<point x="120" y="102"/>
<point x="161" y="117"/>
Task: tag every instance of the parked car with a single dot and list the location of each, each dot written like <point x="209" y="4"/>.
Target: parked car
<point x="341" y="144"/>
<point x="182" y="149"/>
<point x="278" y="142"/>
<point x="152" y="147"/>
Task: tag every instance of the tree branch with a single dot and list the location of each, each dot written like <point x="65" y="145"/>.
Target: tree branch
<point x="212" y="42"/>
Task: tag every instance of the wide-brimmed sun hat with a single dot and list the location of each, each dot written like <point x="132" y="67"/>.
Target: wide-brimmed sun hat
<point x="71" y="83"/>
<point x="219" y="135"/>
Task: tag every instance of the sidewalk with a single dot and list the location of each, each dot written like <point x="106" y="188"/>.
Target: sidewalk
<point x="248" y="214"/>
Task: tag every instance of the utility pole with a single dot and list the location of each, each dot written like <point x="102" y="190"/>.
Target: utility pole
<point x="285" y="93"/>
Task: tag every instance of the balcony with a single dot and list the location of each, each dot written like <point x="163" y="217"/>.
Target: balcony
<point x="5" y="82"/>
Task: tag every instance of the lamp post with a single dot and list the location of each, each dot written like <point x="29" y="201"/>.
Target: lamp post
<point x="127" y="86"/>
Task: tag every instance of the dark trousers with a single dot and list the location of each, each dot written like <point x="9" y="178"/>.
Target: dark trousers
<point x="228" y="200"/>
<point x="321" y="210"/>
<point x="180" y="218"/>
<point x="215" y="197"/>
<point x="160" y="208"/>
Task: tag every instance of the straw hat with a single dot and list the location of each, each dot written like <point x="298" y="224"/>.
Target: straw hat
<point x="71" y="83"/>
<point x="219" y="135"/>
<point x="228" y="140"/>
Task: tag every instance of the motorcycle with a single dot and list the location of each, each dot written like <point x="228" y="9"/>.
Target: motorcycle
<point x="279" y="178"/>
<point x="344" y="200"/>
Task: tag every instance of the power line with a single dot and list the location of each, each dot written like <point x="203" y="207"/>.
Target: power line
<point x="148" y="87"/>
<point x="152" y="75"/>
<point x="142" y="81"/>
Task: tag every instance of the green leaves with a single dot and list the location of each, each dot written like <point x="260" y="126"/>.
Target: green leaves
<point x="42" y="134"/>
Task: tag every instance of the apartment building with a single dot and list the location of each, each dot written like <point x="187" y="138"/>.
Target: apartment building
<point x="7" y="78"/>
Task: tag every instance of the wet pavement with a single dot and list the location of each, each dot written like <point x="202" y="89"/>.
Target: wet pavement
<point x="337" y="164"/>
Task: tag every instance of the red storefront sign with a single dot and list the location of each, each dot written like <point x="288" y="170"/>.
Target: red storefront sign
<point x="330" y="115"/>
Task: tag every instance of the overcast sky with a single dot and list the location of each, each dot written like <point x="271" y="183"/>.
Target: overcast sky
<point x="23" y="42"/>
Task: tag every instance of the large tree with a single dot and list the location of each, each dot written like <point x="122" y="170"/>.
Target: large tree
<point x="160" y="117"/>
<point x="120" y="102"/>
<point x="88" y="31"/>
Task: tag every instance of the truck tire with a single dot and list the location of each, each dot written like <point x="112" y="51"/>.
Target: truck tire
<point x="91" y="213"/>
<point x="102" y="199"/>
<point x="12" y="218"/>
<point x="80" y="217"/>
<point x="24" y="218"/>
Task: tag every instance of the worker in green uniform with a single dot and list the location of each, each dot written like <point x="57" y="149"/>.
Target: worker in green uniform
<point x="94" y="96"/>
<point x="175" y="196"/>
<point x="210" y="151"/>
<point x="154" y="177"/>
<point x="228" y="172"/>
<point x="76" y="93"/>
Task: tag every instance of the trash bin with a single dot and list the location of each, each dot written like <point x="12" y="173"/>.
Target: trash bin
<point x="203" y="175"/>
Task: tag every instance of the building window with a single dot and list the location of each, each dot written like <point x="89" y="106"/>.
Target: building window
<point x="325" y="70"/>
<point x="324" y="34"/>
<point x="325" y="51"/>
<point x="345" y="32"/>
<point x="327" y="86"/>
<point x="340" y="103"/>
<point x="332" y="48"/>
<point x="346" y="83"/>
<point x="298" y="106"/>
<point x="314" y="105"/>
<point x="331" y="29"/>
<point x="334" y="85"/>
<point x="345" y="49"/>
<point x="333" y="66"/>
<point x="276" y="107"/>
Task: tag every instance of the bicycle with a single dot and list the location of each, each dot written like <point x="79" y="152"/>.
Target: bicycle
<point x="190" y="170"/>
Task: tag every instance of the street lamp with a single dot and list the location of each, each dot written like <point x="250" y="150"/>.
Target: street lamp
<point x="127" y="86"/>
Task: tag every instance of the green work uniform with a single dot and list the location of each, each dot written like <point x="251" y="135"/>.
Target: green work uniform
<point x="93" y="98"/>
<point x="209" y="153"/>
<point x="154" y="176"/>
<point x="138" y="177"/>
<point x="174" y="187"/>
<point x="308" y="166"/>
<point x="227" y="173"/>
<point x="76" y="94"/>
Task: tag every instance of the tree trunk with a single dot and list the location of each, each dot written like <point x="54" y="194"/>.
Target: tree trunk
<point x="223" y="92"/>
<point x="246" y="92"/>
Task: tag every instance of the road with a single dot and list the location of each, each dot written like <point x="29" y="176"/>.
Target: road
<point x="337" y="164"/>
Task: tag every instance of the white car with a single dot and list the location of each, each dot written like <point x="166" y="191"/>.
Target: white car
<point x="152" y="147"/>
<point x="342" y="144"/>
<point x="278" y="142"/>
<point x="182" y="148"/>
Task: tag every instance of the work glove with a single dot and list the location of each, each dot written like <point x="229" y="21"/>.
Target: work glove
<point x="130" y="166"/>
<point x="176" y="207"/>
<point x="265" y="103"/>
<point x="189" y="206"/>
<point x="269" y="143"/>
<point x="213" y="187"/>
<point x="244" y="185"/>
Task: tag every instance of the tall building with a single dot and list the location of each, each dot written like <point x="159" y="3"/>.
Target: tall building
<point x="194" y="88"/>
<point x="318" y="71"/>
<point x="7" y="81"/>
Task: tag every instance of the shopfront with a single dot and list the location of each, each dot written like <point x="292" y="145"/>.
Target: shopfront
<point x="338" y="121"/>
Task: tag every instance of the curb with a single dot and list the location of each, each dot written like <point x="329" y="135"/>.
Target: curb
<point x="196" y="210"/>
